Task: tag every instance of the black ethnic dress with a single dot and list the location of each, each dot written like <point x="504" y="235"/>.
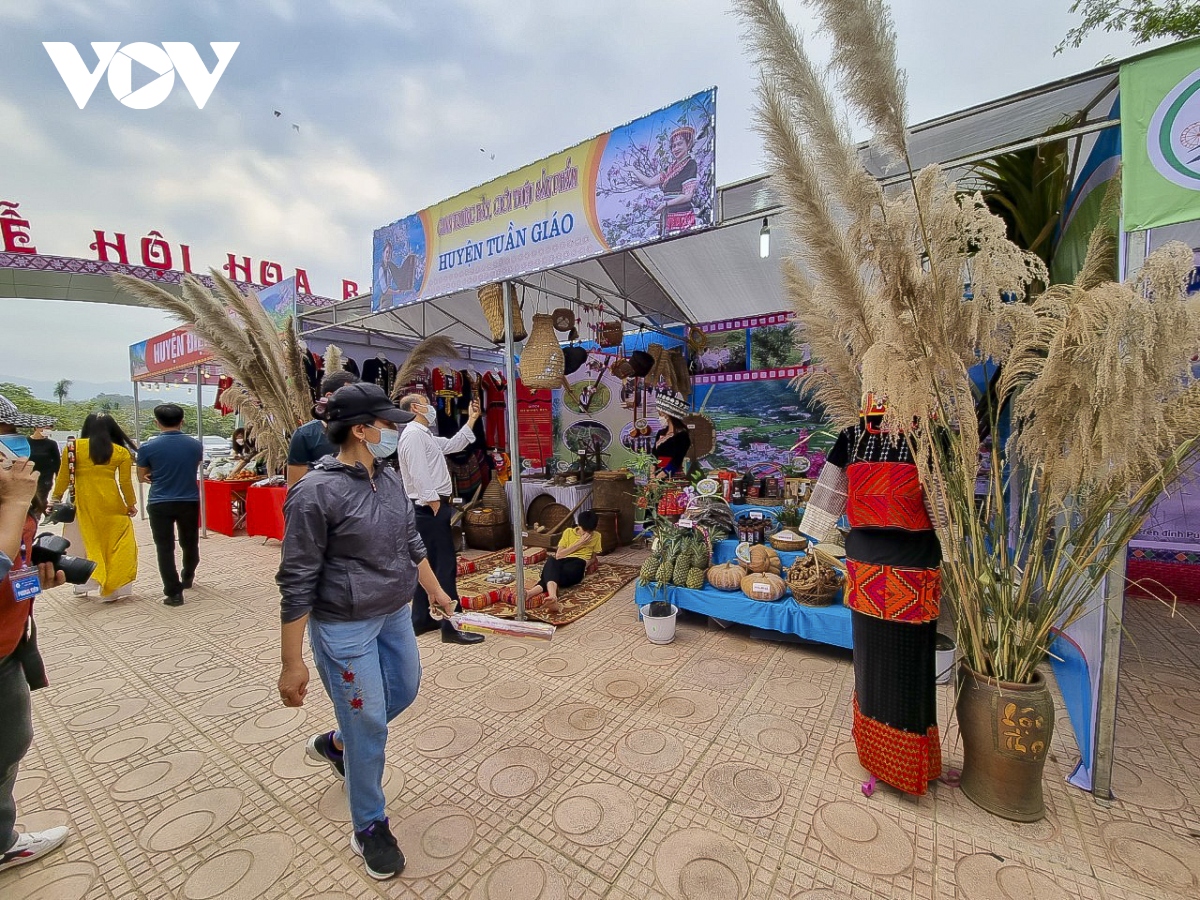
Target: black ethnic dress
<point x="893" y="589"/>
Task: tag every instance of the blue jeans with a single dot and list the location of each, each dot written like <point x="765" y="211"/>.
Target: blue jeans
<point x="371" y="671"/>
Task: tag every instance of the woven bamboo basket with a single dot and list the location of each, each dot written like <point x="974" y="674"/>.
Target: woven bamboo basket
<point x="554" y="515"/>
<point x="495" y="496"/>
<point x="491" y="300"/>
<point x="606" y="526"/>
<point x="610" y="334"/>
<point x="533" y="515"/>
<point x="616" y="490"/>
<point x="813" y="581"/>
<point x="487" y="515"/>
<point x="787" y="545"/>
<point x="542" y="363"/>
<point x="495" y="535"/>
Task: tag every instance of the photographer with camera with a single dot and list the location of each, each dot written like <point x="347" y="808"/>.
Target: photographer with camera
<point x="20" y="664"/>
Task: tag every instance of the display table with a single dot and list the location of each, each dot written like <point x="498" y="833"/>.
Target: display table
<point x="219" y="497"/>
<point x="567" y="495"/>
<point x="822" y="624"/>
<point x="264" y="512"/>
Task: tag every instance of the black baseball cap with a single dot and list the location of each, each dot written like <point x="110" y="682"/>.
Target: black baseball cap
<point x="360" y="404"/>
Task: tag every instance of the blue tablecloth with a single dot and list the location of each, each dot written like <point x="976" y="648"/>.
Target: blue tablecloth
<point x="726" y="551"/>
<point x="822" y="624"/>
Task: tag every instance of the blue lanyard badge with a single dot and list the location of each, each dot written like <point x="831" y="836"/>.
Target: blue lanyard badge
<point x="25" y="583"/>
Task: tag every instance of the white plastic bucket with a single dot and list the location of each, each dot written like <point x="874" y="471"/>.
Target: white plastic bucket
<point x="660" y="629"/>
<point x="944" y="663"/>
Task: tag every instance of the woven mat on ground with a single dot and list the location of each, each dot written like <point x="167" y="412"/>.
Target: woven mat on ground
<point x="598" y="587"/>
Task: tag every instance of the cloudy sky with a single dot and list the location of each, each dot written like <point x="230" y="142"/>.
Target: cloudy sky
<point x="399" y="105"/>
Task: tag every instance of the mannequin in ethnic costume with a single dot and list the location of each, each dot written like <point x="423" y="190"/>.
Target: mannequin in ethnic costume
<point x="893" y="587"/>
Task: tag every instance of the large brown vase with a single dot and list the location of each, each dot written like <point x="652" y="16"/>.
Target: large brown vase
<point x="1006" y="730"/>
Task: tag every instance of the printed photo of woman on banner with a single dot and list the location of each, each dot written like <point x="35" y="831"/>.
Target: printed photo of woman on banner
<point x="656" y="176"/>
<point x="400" y="249"/>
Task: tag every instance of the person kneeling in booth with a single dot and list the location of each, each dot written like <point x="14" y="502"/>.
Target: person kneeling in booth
<point x="566" y="568"/>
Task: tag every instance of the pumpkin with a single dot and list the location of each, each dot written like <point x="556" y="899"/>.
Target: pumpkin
<point x="764" y="559"/>
<point x="726" y="576"/>
<point x="763" y="586"/>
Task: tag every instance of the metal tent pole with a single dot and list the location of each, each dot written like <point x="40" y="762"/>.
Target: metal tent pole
<point x="517" y="503"/>
<point x="137" y="437"/>
<point x="1113" y="591"/>
<point x="200" y="437"/>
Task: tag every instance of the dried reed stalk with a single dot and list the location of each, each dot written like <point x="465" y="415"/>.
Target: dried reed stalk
<point x="1091" y="381"/>
<point x="270" y="388"/>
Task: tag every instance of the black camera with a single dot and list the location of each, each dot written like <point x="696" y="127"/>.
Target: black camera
<point x="50" y="548"/>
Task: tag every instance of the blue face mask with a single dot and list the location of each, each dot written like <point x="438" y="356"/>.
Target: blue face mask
<point x="389" y="440"/>
<point x="17" y="443"/>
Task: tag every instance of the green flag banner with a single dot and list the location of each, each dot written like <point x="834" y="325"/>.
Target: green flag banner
<point x="1160" y="136"/>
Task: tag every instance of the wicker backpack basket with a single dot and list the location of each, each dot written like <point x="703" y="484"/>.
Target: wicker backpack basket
<point x="491" y="300"/>
<point x="542" y="363"/>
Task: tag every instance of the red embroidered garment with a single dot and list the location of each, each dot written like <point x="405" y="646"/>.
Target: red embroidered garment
<point x="494" y="402"/>
<point x="886" y="495"/>
<point x="892" y="592"/>
<point x="900" y="758"/>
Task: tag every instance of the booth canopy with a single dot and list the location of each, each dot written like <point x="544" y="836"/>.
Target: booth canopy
<point x="717" y="273"/>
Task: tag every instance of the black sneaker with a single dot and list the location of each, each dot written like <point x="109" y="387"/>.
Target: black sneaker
<point x="379" y="850"/>
<point x="173" y="599"/>
<point x="188" y="583"/>
<point x="321" y="748"/>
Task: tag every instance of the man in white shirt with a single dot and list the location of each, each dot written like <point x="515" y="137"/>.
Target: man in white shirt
<point x="422" y="456"/>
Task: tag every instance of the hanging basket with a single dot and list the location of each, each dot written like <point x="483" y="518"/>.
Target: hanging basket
<point x="564" y="320"/>
<point x="610" y="334"/>
<point x="542" y="363"/>
<point x="703" y="434"/>
<point x="491" y="300"/>
<point x="641" y="363"/>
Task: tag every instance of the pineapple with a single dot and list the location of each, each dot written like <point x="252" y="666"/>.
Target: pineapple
<point x="649" y="570"/>
<point x="695" y="579"/>
<point x="679" y="574"/>
<point x="700" y="555"/>
<point x="664" y="572"/>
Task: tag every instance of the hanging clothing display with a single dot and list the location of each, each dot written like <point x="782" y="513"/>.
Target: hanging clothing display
<point x="419" y="383"/>
<point x="224" y="383"/>
<point x="893" y="589"/>
<point x="381" y="371"/>
<point x="349" y="365"/>
<point x="495" y="403"/>
<point x="447" y="383"/>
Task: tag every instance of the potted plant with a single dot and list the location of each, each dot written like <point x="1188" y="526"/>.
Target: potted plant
<point x="1085" y="389"/>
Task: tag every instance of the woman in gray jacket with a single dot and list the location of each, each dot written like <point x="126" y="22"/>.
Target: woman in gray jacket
<point x="352" y="559"/>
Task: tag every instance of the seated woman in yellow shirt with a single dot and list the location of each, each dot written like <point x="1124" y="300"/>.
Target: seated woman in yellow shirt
<point x="567" y="566"/>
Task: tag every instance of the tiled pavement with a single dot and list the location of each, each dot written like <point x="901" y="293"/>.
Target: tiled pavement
<point x="597" y="766"/>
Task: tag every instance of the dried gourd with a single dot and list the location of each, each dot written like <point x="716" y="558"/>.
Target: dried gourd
<point x="763" y="586"/>
<point x="726" y="576"/>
